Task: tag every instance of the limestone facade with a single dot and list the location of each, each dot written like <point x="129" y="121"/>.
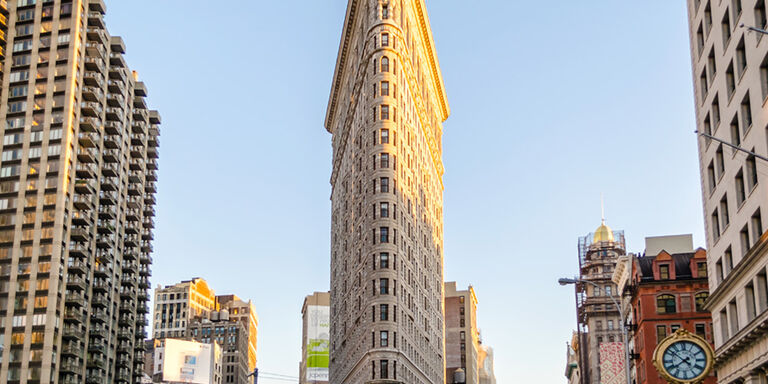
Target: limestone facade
<point x="385" y="113"/>
<point x="730" y="73"/>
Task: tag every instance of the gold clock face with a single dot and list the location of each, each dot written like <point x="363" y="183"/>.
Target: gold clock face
<point x="684" y="358"/>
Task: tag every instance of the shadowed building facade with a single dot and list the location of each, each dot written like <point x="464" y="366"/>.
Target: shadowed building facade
<point x="385" y="113"/>
<point x="730" y="74"/>
<point x="77" y="186"/>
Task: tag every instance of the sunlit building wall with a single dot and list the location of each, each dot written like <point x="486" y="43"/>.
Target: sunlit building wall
<point x="385" y="113"/>
<point x="176" y="305"/>
<point x="77" y="185"/>
<point x="730" y="73"/>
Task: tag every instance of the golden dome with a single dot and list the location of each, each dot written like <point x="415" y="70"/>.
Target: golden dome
<point x="603" y="233"/>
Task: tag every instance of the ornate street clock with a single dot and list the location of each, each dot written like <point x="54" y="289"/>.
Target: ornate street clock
<point x="684" y="358"/>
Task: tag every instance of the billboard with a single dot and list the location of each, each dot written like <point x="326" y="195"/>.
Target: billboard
<point x="187" y="361"/>
<point x="318" y="342"/>
<point x="612" y="363"/>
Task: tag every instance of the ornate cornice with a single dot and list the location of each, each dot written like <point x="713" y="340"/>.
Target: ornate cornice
<point x="341" y="60"/>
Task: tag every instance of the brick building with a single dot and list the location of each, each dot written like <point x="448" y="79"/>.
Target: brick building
<point x="666" y="290"/>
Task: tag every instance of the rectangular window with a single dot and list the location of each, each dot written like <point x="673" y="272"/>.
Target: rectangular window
<point x="749" y="293"/>
<point x="730" y="80"/>
<point x="384" y="160"/>
<point x="384" y="235"/>
<point x="720" y="162"/>
<point x="661" y="333"/>
<point x="384" y="210"/>
<point x="735" y="132"/>
<point x="384" y="136"/>
<point x="701" y="330"/>
<point x="664" y="272"/>
<point x="741" y="58"/>
<point x="746" y="113"/>
<point x="757" y="225"/>
<point x="385" y="112"/>
<point x="741" y="193"/>
<point x="384" y="260"/>
<point x="384" y="185"/>
<point x="751" y="171"/>
<point x="385" y="39"/>
<point x="726" y="28"/>
<point x="384" y="339"/>
<point x="744" y="237"/>
<point x="724" y="217"/>
<point x="701" y="269"/>
<point x="384" y="371"/>
<point x="384" y="312"/>
<point x="384" y="286"/>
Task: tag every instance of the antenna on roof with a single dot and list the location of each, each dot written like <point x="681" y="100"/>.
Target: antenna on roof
<point x="602" y="208"/>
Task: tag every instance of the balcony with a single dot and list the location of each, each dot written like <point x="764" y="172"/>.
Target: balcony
<point x="77" y="266"/>
<point x="97" y="332"/>
<point x="137" y="152"/>
<point x="71" y="366"/>
<point x="86" y="155"/>
<point x="90" y="108"/>
<point x="97" y="6"/>
<point x="135" y="177"/>
<point x="132" y="214"/>
<point x="144" y="271"/>
<point x="105" y="241"/>
<point x="85" y="187"/>
<point x="113" y="127"/>
<point x="86" y="171"/>
<point x="152" y="153"/>
<point x="107" y="212"/>
<point x="92" y="94"/>
<point x="140" y="115"/>
<point x="94" y="79"/>
<point x="88" y="140"/>
<point x="137" y="165"/>
<point x="126" y="320"/>
<point x="101" y="285"/>
<point x="151" y="176"/>
<point x="108" y="183"/>
<point x="130" y="267"/>
<point x="111" y="155"/>
<point x="95" y="19"/>
<point x="70" y="332"/>
<point x="72" y="349"/>
<point x="135" y="202"/>
<point x="100" y="301"/>
<point x="129" y="255"/>
<point x="97" y="347"/>
<point x="149" y="223"/>
<point x="145" y="259"/>
<point x="79" y="234"/>
<point x="96" y="362"/>
<point x="152" y="164"/>
<point x="133" y="190"/>
<point x="76" y="300"/>
<point x="96" y="34"/>
<point x="89" y="124"/>
<point x="99" y="316"/>
<point x="79" y="250"/>
<point x="116" y="59"/>
<point x="112" y="141"/>
<point x="74" y="316"/>
<point x="108" y="198"/>
<point x="83" y="202"/>
<point x="144" y="283"/>
<point x="93" y="63"/>
<point x="116" y="86"/>
<point x="114" y="114"/>
<point x="140" y="103"/>
<point x="116" y="100"/>
<point x="150" y="187"/>
<point x="120" y="74"/>
<point x="131" y="240"/>
<point x="104" y="256"/>
<point x="153" y="141"/>
<point x="110" y="169"/>
<point x="76" y="283"/>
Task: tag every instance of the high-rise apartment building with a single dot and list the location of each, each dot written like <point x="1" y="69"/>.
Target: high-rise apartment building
<point x="77" y="186"/>
<point x="315" y="319"/>
<point x="244" y="312"/>
<point x="232" y="336"/>
<point x="385" y="112"/>
<point x="599" y="320"/>
<point x="176" y="305"/>
<point x="730" y="68"/>
<point x="462" y="337"/>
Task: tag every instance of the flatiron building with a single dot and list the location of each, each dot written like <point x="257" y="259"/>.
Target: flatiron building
<point x="385" y="114"/>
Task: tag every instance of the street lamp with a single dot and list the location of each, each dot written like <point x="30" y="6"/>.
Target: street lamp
<point x="754" y="29"/>
<point x="255" y="375"/>
<point x="565" y="281"/>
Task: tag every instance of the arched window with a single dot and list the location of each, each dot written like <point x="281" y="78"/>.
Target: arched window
<point x="701" y="298"/>
<point x="385" y="64"/>
<point x="666" y="304"/>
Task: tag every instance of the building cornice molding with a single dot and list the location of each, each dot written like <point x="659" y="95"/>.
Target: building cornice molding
<point x="341" y="60"/>
<point x="749" y="260"/>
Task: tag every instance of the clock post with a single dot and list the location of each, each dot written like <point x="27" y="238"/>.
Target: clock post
<point x="684" y="358"/>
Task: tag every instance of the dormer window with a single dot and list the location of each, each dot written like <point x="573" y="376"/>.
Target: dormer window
<point x="664" y="272"/>
<point x="701" y="269"/>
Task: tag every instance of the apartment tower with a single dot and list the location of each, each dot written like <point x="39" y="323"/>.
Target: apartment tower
<point x="599" y="320"/>
<point x="730" y="73"/>
<point x="77" y="186"/>
<point x="462" y="337"/>
<point x="385" y="112"/>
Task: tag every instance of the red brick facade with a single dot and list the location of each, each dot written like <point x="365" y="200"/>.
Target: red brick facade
<point x="664" y="291"/>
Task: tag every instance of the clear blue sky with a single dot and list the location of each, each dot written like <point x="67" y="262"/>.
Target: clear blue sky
<point x="553" y="103"/>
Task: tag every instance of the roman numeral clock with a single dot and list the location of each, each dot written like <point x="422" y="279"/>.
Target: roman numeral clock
<point x="684" y="358"/>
